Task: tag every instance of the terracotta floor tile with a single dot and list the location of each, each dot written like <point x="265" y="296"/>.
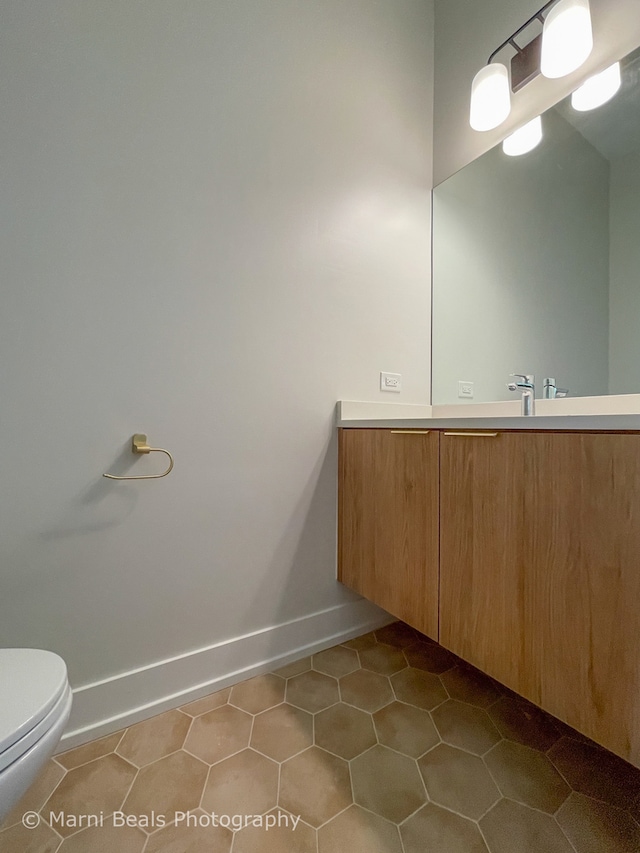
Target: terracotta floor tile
<point x="219" y="733"/>
<point x="282" y="732"/>
<point x="383" y="659"/>
<point x="106" y="839"/>
<point x="522" y="722"/>
<point x="359" y="831"/>
<point x="246" y="783"/>
<point x="397" y="634"/>
<point x="171" y="784"/>
<point x="596" y="827"/>
<point x="435" y="829"/>
<point x="458" y="781"/>
<point x="406" y="729"/>
<point x="259" y="693"/>
<point x="418" y="688"/>
<point x="527" y="776"/>
<point x="511" y="827"/>
<point x="344" y="730"/>
<point x="207" y="703"/>
<point x="312" y="691"/>
<point x="387" y="783"/>
<point x="468" y="684"/>
<point x="337" y="661"/>
<point x="99" y="786"/>
<point x="154" y="738"/>
<point x="315" y="785"/>
<point x="431" y="657"/>
<point x="294" y="668"/>
<point x="89" y="751"/>
<point x="183" y="837"/>
<point x="278" y="839"/>
<point x="567" y="731"/>
<point x="615" y="781"/>
<point x="465" y="726"/>
<point x="360" y="643"/>
<point x="367" y="690"/>
<point x="18" y="839"/>
<point x="38" y="793"/>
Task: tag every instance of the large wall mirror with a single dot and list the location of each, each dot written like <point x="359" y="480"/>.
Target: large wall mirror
<point x="536" y="259"/>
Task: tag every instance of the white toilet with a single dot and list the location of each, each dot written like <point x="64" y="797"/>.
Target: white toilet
<point x="35" y="702"/>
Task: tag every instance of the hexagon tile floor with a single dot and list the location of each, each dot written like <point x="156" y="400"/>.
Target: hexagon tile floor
<point x="384" y="744"/>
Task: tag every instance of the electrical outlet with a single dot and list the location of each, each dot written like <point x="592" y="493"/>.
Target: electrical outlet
<point x="465" y="389"/>
<point x="391" y="382"/>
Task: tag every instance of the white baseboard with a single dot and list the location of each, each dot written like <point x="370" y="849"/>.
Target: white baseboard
<point x="121" y="700"/>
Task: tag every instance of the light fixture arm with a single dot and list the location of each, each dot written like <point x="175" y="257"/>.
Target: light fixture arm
<point x="539" y="16"/>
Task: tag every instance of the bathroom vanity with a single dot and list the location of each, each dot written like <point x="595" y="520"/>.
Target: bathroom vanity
<point x="514" y="542"/>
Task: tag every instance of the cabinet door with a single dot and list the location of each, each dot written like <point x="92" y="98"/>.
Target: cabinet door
<point x="540" y="573"/>
<point x="483" y="607"/>
<point x="388" y="521"/>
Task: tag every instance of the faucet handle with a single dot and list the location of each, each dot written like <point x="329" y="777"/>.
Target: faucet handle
<point x="527" y="380"/>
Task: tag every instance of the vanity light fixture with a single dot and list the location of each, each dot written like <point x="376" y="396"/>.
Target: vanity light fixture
<point x="567" y="39"/>
<point x="490" y="97"/>
<point x="563" y="42"/>
<point x="597" y="90"/>
<point x="524" y="139"/>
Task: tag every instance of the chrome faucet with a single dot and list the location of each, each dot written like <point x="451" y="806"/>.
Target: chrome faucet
<point x="550" y="390"/>
<point x="528" y="388"/>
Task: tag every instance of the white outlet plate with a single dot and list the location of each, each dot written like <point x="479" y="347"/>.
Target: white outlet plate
<point x="391" y="382"/>
<point x="465" y="389"/>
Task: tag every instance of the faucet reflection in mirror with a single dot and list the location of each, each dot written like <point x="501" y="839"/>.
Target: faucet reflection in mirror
<point x="550" y="390"/>
<point x="563" y="46"/>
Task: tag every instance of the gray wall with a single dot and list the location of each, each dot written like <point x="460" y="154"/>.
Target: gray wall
<point x="521" y="269"/>
<point x="467" y="32"/>
<point x="624" y="346"/>
<point x="215" y="224"/>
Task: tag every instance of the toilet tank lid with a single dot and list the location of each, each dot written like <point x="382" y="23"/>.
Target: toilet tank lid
<point x="31" y="682"/>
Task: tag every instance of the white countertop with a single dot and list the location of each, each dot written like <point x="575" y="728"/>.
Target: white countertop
<point x="615" y="412"/>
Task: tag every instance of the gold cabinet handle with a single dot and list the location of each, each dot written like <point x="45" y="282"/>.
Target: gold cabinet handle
<point x="410" y="431"/>
<point x="139" y="445"/>
<point x="474" y="434"/>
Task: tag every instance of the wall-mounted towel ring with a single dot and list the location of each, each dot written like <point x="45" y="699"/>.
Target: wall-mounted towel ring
<point x="139" y="445"/>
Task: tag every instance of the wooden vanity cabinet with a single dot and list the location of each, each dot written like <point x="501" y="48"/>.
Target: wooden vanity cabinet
<point x="540" y="572"/>
<point x="388" y="521"/>
<point x="519" y="551"/>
